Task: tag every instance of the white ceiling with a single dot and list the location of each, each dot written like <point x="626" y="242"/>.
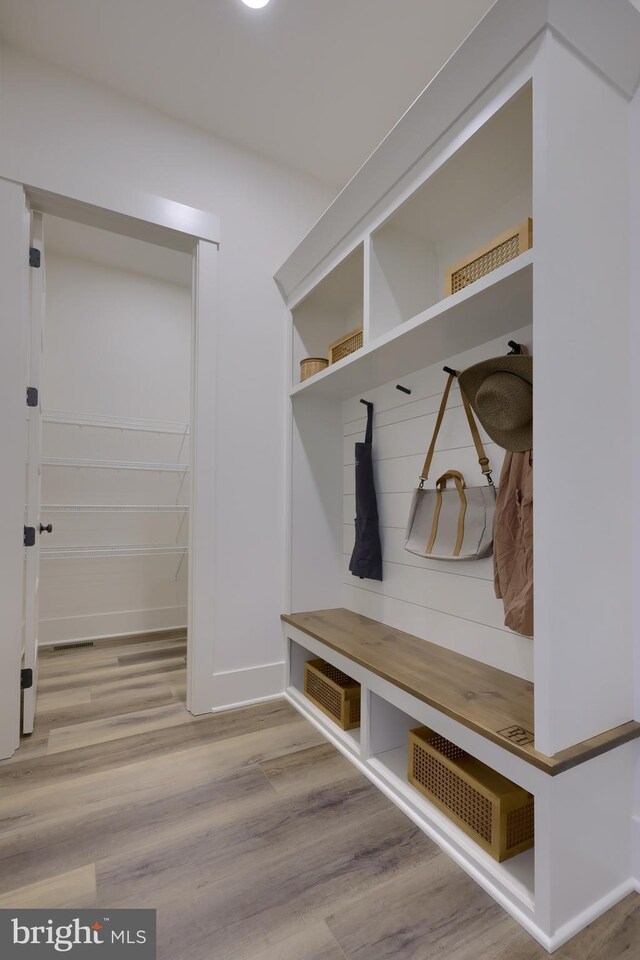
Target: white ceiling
<point x="315" y="84"/>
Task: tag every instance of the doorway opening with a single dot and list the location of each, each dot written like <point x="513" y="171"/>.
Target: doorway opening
<point x="165" y="224"/>
<point x="108" y="461"/>
<point x="115" y="457"/>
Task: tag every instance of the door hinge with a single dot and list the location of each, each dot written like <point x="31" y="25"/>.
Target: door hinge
<point x="26" y="679"/>
<point x="29" y="536"/>
<point x="34" y="257"/>
<point x="32" y="396"/>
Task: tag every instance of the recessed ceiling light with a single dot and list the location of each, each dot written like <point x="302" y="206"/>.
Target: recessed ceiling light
<point x="256" y="4"/>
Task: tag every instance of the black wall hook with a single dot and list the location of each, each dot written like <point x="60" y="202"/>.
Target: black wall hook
<point x="403" y="389"/>
<point x="367" y="403"/>
<point x="516" y="348"/>
<point x="451" y="372"/>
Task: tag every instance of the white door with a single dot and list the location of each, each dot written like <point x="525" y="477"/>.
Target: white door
<point x="33" y="484"/>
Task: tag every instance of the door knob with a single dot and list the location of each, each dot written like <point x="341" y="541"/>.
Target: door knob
<point x="47" y="529"/>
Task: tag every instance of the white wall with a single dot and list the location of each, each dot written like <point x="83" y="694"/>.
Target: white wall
<point x="52" y="121"/>
<point x="116" y="344"/>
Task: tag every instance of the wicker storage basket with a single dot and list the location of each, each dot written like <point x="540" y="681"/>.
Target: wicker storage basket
<point x="345" y="345"/>
<point x="478" y="264"/>
<point x="311" y="365"/>
<point x="492" y="810"/>
<point x="333" y="692"/>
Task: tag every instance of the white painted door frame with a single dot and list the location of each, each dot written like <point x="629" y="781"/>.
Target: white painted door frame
<point x="37" y="285"/>
<point x="154" y="219"/>
<point x="14" y="317"/>
<point x="202" y="447"/>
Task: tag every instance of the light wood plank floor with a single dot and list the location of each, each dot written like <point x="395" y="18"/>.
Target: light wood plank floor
<point x="253" y="837"/>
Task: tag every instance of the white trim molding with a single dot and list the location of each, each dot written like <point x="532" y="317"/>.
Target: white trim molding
<point x="582" y="920"/>
<point x="121" y="209"/>
<point x="235" y="688"/>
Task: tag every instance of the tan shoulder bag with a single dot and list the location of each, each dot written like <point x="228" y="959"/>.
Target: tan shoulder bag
<point x="456" y="522"/>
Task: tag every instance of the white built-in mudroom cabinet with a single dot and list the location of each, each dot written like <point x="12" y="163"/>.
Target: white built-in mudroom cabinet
<point x="530" y="118"/>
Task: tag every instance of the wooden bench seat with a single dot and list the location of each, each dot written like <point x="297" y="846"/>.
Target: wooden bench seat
<point x="495" y="704"/>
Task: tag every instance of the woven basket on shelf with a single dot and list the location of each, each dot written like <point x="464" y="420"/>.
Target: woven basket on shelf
<point x="343" y="346"/>
<point x="312" y="365"/>
<point x="492" y="810"/>
<point x="333" y="692"/>
<point x="478" y="264"/>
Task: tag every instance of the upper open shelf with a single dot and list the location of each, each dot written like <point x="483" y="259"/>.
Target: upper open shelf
<point x="480" y="191"/>
<point x="331" y="310"/>
<point x="492" y="307"/>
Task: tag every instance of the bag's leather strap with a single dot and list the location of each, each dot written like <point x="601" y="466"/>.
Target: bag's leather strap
<point x="483" y="460"/>
<point x="441" y="484"/>
<point x="434" y="523"/>
<point x="454" y="475"/>
<point x="436" y="430"/>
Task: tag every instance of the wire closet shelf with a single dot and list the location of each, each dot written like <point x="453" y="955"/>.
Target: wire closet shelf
<point x="115" y="550"/>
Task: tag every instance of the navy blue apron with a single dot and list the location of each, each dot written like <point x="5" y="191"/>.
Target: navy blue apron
<point x="366" y="559"/>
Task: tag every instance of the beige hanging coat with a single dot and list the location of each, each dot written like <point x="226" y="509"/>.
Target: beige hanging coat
<point x="513" y="542"/>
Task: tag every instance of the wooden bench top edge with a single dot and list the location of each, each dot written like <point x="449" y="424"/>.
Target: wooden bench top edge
<point x="564" y="760"/>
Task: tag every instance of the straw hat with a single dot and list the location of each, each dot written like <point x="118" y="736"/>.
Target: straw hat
<point x="500" y="391"/>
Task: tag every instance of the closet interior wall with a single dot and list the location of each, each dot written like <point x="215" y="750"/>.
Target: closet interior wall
<point x="115" y="398"/>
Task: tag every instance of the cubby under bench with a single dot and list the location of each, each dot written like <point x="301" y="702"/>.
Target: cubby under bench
<point x="581" y="831"/>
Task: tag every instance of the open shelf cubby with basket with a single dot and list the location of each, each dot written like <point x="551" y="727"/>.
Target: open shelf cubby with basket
<point x="497" y="141"/>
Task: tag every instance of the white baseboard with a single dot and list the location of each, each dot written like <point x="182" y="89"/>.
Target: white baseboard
<point x="582" y="920"/>
<point x="236" y="688"/>
<point x="120" y="623"/>
<point x="247" y="703"/>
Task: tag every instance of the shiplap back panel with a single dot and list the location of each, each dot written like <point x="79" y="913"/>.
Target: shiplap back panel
<point x="447" y="602"/>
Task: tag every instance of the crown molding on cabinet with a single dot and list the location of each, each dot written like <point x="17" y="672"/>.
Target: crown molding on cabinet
<point x="605" y="33"/>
